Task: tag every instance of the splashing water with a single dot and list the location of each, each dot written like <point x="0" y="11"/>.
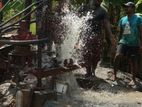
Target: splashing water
<point x="74" y="25"/>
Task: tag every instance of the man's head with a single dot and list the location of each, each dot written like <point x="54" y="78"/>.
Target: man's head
<point x="95" y="3"/>
<point x="129" y="7"/>
<point x="98" y="1"/>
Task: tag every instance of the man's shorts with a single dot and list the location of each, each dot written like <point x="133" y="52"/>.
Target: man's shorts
<point x="130" y="51"/>
<point x="92" y="50"/>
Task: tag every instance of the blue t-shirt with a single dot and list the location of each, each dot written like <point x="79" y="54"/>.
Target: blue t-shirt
<point x="130" y="30"/>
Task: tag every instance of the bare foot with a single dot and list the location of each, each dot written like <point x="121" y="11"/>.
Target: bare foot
<point x="132" y="83"/>
<point x="113" y="77"/>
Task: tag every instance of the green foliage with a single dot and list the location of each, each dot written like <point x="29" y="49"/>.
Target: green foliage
<point x="13" y="8"/>
<point x="5" y="1"/>
<point x="108" y="3"/>
<point x="139" y="6"/>
<point x="114" y="2"/>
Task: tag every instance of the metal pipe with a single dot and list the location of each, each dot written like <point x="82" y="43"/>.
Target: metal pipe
<point x="9" y="29"/>
<point x="39" y="33"/>
<point x="24" y="42"/>
<point x="12" y="27"/>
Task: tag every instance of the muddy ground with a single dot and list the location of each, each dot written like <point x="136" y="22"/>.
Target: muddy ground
<point x="95" y="91"/>
<point x="102" y="92"/>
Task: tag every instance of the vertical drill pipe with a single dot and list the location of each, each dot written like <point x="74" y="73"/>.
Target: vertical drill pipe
<point x="39" y="33"/>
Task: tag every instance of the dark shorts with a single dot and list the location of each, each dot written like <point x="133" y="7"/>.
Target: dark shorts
<point x="92" y="50"/>
<point x="130" y="51"/>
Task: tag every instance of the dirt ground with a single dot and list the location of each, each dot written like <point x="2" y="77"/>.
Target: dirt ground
<point x="98" y="91"/>
<point x="102" y="92"/>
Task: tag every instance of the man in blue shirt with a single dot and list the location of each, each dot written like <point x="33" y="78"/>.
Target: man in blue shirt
<point x="130" y="27"/>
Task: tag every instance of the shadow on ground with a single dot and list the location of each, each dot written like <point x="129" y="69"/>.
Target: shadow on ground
<point x="99" y="84"/>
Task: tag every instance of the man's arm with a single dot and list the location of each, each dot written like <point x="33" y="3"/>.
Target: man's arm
<point x="107" y="26"/>
<point x="119" y="32"/>
<point x="140" y="29"/>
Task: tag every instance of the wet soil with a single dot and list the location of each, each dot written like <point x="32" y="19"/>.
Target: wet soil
<point x="100" y="91"/>
<point x="97" y="91"/>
